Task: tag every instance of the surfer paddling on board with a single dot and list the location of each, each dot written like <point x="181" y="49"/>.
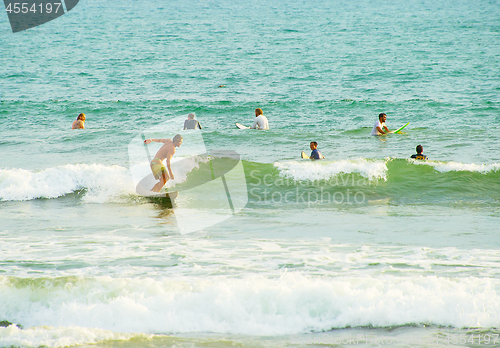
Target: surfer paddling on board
<point x="379" y="127"/>
<point x="315" y="154"/>
<point x="165" y="152"/>
<point x="261" y="121"/>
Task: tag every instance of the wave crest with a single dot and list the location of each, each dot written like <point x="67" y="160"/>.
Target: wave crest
<point x="101" y="182"/>
<point x="324" y="170"/>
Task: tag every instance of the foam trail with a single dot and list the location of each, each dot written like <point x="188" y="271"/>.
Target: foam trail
<point x="57" y="337"/>
<point x="254" y="305"/>
<point x="444" y="167"/>
<point x="324" y="170"/>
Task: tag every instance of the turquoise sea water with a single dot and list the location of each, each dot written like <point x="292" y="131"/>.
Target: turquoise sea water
<point x="363" y="249"/>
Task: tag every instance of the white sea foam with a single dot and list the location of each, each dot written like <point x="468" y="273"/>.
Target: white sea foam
<point x="325" y="170"/>
<point x="444" y="167"/>
<point x="55" y="337"/>
<point x="254" y="305"/>
<point x="101" y="182"/>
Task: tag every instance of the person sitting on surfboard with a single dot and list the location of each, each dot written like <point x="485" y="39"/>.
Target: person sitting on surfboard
<point x="419" y="155"/>
<point x="378" y="128"/>
<point x="261" y="121"/>
<point x="79" y="123"/>
<point x="166" y="151"/>
<point x="191" y="123"/>
<point x="315" y="154"/>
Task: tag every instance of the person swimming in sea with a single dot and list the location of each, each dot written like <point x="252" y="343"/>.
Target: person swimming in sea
<point x="191" y="123"/>
<point x="79" y="123"/>
<point x="315" y="154"/>
<point x="261" y="121"/>
<point x="419" y="155"/>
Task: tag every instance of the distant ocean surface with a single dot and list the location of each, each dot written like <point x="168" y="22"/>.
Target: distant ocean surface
<point x="365" y="248"/>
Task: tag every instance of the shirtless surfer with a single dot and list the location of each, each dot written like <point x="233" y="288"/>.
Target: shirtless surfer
<point x="165" y="152"/>
<point x="379" y="127"/>
<point x="79" y="123"/>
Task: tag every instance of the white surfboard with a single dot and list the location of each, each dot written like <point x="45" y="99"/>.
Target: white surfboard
<point x="240" y="126"/>
<point x="303" y="155"/>
<point x="144" y="187"/>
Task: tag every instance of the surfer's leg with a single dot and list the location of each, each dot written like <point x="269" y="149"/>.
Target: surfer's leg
<point x="163" y="180"/>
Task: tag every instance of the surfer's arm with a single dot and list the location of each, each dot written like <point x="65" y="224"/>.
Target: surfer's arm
<point x="149" y="141"/>
<point x="169" y="157"/>
<point x="381" y="131"/>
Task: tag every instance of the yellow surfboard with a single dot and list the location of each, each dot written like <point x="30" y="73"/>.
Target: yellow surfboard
<point x="400" y="129"/>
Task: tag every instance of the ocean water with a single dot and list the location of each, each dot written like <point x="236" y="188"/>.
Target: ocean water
<point x="366" y="248"/>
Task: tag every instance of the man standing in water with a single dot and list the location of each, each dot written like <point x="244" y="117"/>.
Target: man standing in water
<point x="165" y="152"/>
<point x="379" y="127"/>
<point x="191" y="123"/>
<point x="261" y="121"/>
<point x="315" y="154"/>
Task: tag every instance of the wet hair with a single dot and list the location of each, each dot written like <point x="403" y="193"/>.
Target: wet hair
<point x="258" y="111"/>
<point x="420" y="149"/>
<point x="381" y="115"/>
<point x="80" y="116"/>
<point x="191" y="116"/>
<point x="315" y="143"/>
<point x="177" y="138"/>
